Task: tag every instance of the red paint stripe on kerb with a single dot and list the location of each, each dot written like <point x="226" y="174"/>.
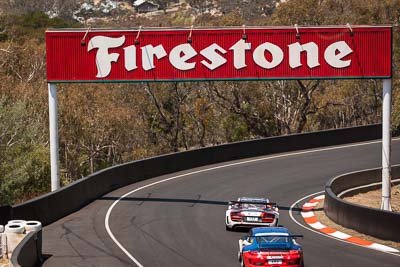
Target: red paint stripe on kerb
<point x="359" y="241"/>
<point x="327" y="230"/>
<point x="308" y="208"/>
<point x="311" y="220"/>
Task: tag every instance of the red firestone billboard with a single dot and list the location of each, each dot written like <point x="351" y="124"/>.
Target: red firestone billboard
<point x="251" y="53"/>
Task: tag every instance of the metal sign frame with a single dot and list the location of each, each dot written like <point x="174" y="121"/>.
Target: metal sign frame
<point x="221" y="53"/>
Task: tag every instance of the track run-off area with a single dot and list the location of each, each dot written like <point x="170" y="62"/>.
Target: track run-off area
<point x="178" y="219"/>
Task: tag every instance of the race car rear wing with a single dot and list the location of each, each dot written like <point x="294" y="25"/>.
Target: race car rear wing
<point x="272" y="235"/>
<point x="259" y="237"/>
<point x="232" y="202"/>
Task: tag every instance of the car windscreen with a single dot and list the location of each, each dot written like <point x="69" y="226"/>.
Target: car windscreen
<point x="252" y="206"/>
<point x="273" y="241"/>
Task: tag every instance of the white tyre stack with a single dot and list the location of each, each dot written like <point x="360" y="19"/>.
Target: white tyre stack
<point x="16" y="222"/>
<point x="14" y="231"/>
<point x="32" y="226"/>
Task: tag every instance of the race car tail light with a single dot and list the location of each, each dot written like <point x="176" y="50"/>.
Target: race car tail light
<point x="294" y="252"/>
<point x="257" y="263"/>
<point x="256" y="259"/>
<point x="236" y="216"/>
<point x="268" y="217"/>
<point x="294" y="257"/>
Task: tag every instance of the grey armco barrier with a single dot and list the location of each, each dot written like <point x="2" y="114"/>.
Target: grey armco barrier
<point x="28" y="253"/>
<point x="374" y="222"/>
<point x="55" y="205"/>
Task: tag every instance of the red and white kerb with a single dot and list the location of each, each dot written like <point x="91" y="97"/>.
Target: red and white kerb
<point x="310" y="218"/>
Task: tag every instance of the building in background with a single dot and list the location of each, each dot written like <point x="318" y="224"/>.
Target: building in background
<point x="143" y="6"/>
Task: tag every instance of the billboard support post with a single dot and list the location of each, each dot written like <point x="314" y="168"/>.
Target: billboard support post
<point x="386" y="144"/>
<point x="53" y="128"/>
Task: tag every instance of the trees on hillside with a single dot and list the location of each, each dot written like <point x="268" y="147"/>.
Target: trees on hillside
<point x="105" y="124"/>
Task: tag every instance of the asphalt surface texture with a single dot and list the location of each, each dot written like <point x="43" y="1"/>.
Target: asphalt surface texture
<point x="180" y="222"/>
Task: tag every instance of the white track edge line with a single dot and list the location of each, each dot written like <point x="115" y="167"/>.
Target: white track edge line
<point x="320" y="233"/>
<point x="107" y="217"/>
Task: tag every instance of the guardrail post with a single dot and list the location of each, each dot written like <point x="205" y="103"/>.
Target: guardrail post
<point x="53" y="129"/>
<point x="386" y="144"/>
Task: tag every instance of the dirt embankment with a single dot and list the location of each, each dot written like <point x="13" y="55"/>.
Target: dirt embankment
<point x="373" y="199"/>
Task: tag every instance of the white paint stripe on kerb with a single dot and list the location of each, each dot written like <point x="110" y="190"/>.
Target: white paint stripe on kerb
<point x="340" y="235"/>
<point x="108" y="214"/>
<point x="382" y="247"/>
<point x="307" y="214"/>
<point x="317" y="225"/>
<point x="309" y="205"/>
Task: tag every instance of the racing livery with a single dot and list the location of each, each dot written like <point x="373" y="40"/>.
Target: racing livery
<point x="250" y="212"/>
<point x="270" y="247"/>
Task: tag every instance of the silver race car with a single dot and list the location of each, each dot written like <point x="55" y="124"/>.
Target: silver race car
<point x="251" y="212"/>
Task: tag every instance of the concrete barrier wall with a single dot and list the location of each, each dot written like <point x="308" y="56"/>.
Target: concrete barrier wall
<point x="374" y="222"/>
<point x="5" y="214"/>
<point x="28" y="253"/>
<point x="55" y="205"/>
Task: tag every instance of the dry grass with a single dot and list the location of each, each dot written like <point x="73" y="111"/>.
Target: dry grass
<point x="373" y="199"/>
<point x="370" y="199"/>
<point x="3" y="262"/>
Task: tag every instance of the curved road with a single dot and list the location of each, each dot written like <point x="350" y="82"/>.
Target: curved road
<point x="180" y="222"/>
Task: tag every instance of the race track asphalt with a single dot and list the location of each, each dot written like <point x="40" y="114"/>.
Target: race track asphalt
<point x="180" y="222"/>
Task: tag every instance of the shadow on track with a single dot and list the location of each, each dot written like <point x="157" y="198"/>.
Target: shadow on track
<point x="168" y="200"/>
<point x="141" y="200"/>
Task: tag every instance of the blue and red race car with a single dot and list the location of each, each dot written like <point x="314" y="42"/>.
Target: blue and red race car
<point x="270" y="247"/>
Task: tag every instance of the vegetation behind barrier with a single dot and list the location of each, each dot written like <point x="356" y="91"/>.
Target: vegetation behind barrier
<point x="101" y="125"/>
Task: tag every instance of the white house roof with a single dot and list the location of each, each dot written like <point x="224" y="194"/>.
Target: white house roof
<point x="139" y="2"/>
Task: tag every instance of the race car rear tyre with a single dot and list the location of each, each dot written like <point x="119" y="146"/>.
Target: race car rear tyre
<point x="242" y="263"/>
<point x="227" y="228"/>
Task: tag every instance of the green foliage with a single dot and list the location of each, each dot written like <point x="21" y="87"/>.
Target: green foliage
<point x="235" y="129"/>
<point x="24" y="169"/>
<point x="25" y="173"/>
<point x="30" y="25"/>
<point x="37" y="20"/>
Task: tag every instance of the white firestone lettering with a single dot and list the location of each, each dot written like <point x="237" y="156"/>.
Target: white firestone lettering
<point x="239" y="53"/>
<point x="295" y="50"/>
<point x="180" y="54"/>
<point x="335" y="59"/>
<point x="259" y="55"/>
<point x="130" y="58"/>
<point x="214" y="55"/>
<point x="103" y="58"/>
<point x="211" y="54"/>
<point x="148" y="53"/>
